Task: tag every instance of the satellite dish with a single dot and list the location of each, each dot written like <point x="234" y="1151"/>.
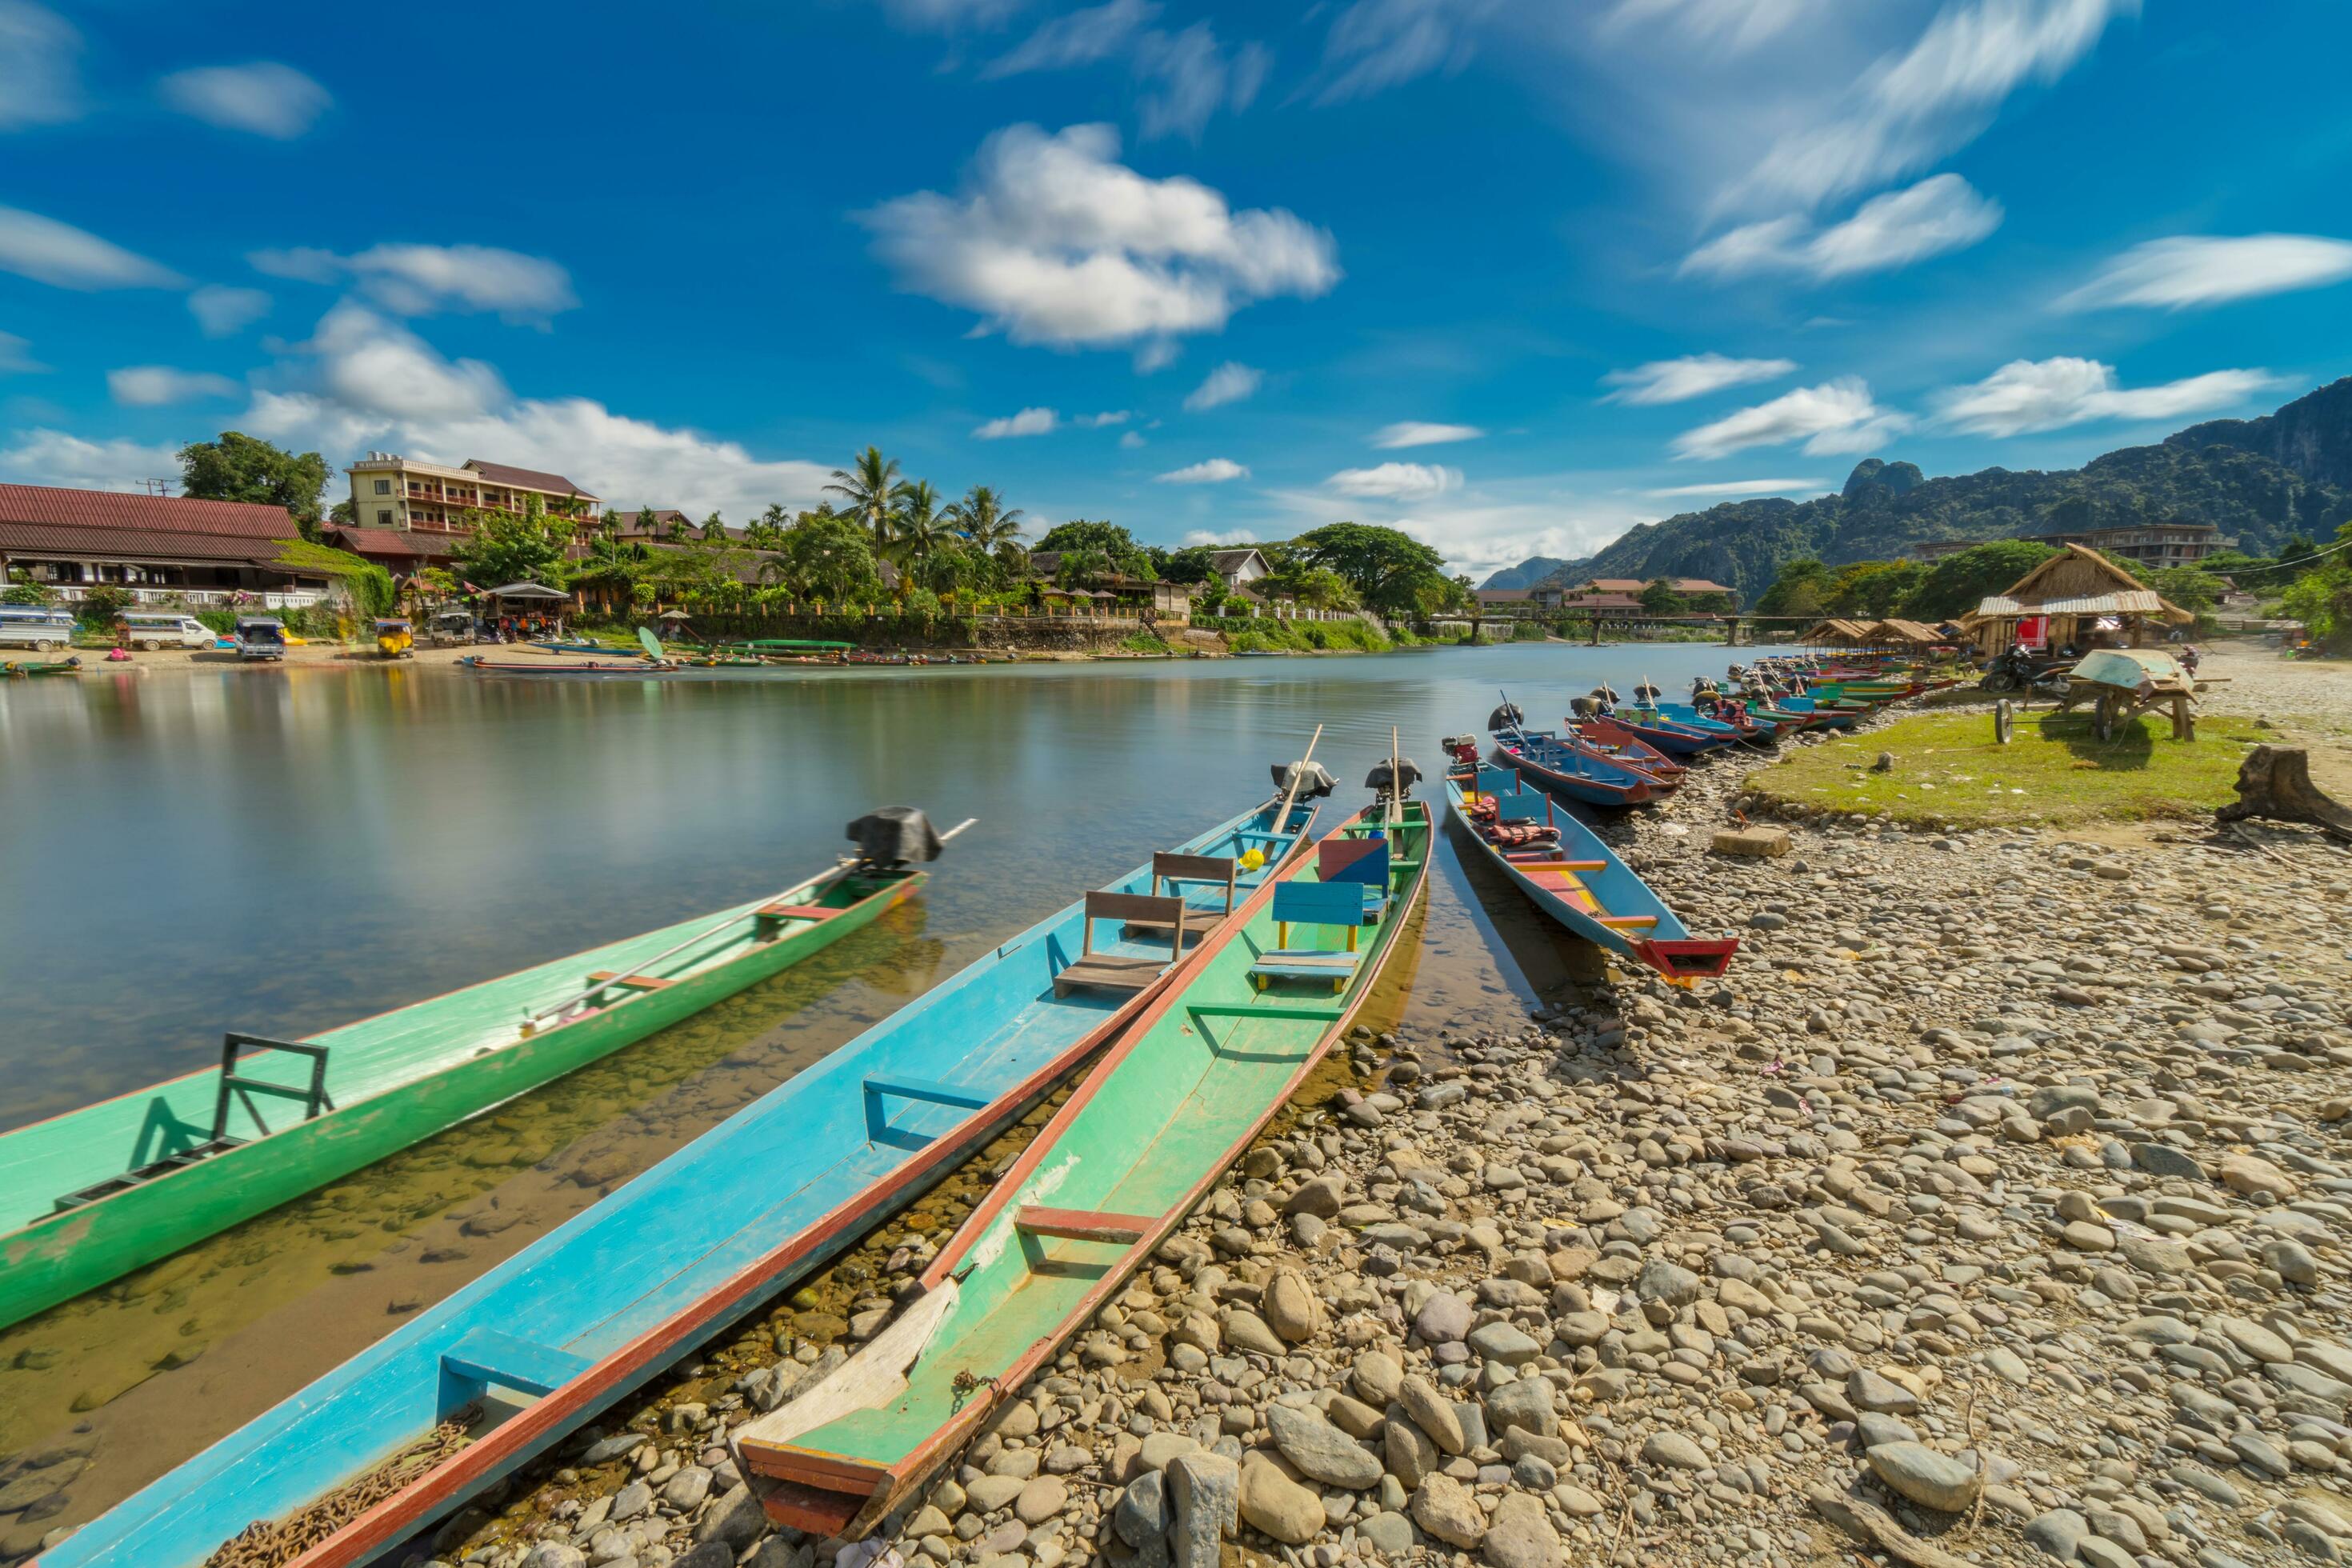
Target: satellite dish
<point x="651" y="643"/>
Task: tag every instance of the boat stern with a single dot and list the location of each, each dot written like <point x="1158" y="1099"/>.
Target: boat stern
<point x="1683" y="960"/>
<point x="824" y="1494"/>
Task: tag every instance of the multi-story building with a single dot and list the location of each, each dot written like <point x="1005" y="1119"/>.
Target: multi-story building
<point x="389" y="490"/>
<point x="2150" y="544"/>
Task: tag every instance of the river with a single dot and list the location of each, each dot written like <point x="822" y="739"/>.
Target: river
<point x="279" y="850"/>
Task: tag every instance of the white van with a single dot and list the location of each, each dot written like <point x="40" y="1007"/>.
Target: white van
<point x="34" y="626"/>
<point x="153" y="629"/>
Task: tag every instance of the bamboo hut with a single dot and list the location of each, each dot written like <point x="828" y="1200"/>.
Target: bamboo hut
<point x="1897" y="633"/>
<point x="1837" y="634"/>
<point x="2077" y="598"/>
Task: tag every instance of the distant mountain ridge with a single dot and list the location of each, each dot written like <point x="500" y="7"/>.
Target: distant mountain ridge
<point x="1527" y="573"/>
<point x="2259" y="480"/>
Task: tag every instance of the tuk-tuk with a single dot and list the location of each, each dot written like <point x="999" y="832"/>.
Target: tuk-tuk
<point x="394" y="638"/>
<point x="260" y="636"/>
<point x="450" y="628"/>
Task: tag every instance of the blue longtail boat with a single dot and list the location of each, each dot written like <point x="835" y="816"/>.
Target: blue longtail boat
<point x="1574" y="878"/>
<point x="603" y="1302"/>
<point x="1578" y="772"/>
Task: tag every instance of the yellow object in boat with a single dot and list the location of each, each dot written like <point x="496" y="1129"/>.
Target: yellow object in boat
<point x="1253" y="860"/>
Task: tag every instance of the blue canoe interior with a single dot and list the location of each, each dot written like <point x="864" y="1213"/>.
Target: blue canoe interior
<point x="1574" y="771"/>
<point x="615" y="1294"/>
<point x="1577" y="879"/>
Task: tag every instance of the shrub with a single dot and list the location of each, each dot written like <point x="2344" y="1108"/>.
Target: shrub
<point x="102" y="606"/>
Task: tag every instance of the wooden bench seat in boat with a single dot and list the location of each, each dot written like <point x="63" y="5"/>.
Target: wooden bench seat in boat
<point x="1084" y="1224"/>
<point x="633" y="982"/>
<point x="1204" y="870"/>
<point x="1297" y="903"/>
<point x="1123" y="972"/>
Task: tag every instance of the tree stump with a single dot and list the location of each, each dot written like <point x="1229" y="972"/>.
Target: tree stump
<point x="2275" y="782"/>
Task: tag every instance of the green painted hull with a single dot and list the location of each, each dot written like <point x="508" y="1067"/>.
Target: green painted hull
<point x="394" y="1079"/>
<point x="1176" y="1102"/>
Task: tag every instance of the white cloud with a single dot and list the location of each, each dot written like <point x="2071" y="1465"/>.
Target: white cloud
<point x="1941" y="213"/>
<point x="224" y="312"/>
<point x="2189" y="270"/>
<point x="1731" y="27"/>
<point x="264" y="98"/>
<point x="1053" y="241"/>
<point x="1186" y="76"/>
<point x="1132" y="440"/>
<point x="13" y="360"/>
<point x="1374" y="45"/>
<point x="1693" y="375"/>
<point x="1108" y="417"/>
<point x="1835" y="416"/>
<point x="1028" y="422"/>
<point x="950" y="16"/>
<point x="1396" y="481"/>
<point x="1479" y="529"/>
<point x="1229" y="383"/>
<point x="1913" y="108"/>
<point x="1420" y="433"/>
<point x="157" y="385"/>
<point x="424" y="279"/>
<point x="2045" y="395"/>
<point x="1222" y="537"/>
<point x="48" y="252"/>
<point x="377" y="368"/>
<point x="1743" y="487"/>
<point x="1080" y="38"/>
<point x="54" y="458"/>
<point x="38" y="83"/>
<point x="1215" y="472"/>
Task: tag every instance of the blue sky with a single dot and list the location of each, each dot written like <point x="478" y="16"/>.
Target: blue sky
<point x="1510" y="276"/>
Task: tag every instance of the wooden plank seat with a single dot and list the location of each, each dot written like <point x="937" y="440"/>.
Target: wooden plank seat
<point x="633" y="982"/>
<point x="1084" y="1224"/>
<point x="1123" y="972"/>
<point x="484" y="1357"/>
<point x="1631" y="923"/>
<point x="1297" y="903"/>
<point x="795" y="912"/>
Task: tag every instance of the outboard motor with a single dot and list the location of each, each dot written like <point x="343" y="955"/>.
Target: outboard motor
<point x="1314" y="780"/>
<point x="1584" y="707"/>
<point x="1462" y="751"/>
<point x="1385" y="781"/>
<point x="893" y="836"/>
<point x="1506" y="716"/>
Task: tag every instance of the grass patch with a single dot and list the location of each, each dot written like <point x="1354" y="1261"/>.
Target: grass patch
<point x="1269" y="634"/>
<point x="1143" y="642"/>
<point x="1949" y="770"/>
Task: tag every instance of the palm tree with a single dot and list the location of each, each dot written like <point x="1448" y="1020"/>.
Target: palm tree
<point x="918" y="527"/>
<point x="983" y="517"/>
<point x="871" y="487"/>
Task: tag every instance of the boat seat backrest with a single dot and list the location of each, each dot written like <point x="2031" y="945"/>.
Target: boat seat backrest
<point x="1168" y="866"/>
<point x="1134" y="909"/>
<point x="1301" y="903"/>
<point x="1496" y="781"/>
<point x="1519" y="807"/>
<point x="1364" y="861"/>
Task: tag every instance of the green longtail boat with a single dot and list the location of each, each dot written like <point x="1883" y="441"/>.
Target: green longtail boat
<point x="90" y="1195"/>
<point x="1134" y="1150"/>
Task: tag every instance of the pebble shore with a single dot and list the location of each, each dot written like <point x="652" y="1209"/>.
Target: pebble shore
<point x="1992" y="1209"/>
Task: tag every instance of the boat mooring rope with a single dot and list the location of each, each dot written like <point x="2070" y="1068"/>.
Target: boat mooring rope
<point x="271" y="1543"/>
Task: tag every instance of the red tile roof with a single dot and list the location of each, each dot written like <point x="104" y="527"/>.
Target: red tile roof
<point x="158" y="514"/>
<point x="82" y="542"/>
<point x="396" y="543"/>
<point x="527" y="478"/>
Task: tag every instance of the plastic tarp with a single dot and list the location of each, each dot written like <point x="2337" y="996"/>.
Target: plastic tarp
<point x="1314" y="780"/>
<point x="894" y="835"/>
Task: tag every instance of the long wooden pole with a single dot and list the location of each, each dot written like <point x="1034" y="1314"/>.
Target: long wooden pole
<point x="1396" y="777"/>
<point x="1282" y="817"/>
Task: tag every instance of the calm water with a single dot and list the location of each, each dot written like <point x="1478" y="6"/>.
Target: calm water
<point x="281" y="850"/>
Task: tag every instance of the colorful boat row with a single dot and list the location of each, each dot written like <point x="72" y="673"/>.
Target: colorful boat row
<point x="575" y="1322"/>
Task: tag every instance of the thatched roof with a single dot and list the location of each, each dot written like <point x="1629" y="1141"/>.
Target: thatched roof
<point x="1894" y="630"/>
<point x="2078" y="581"/>
<point x="1837" y="631"/>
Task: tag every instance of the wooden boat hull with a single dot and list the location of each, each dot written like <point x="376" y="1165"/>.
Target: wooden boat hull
<point x="1584" y="887"/>
<point x="1759" y="735"/>
<point x="1132" y="1153"/>
<point x="1595" y="782"/>
<point x="1612" y="742"/>
<point x="1673" y="740"/>
<point x="618" y="1293"/>
<point x="638" y="670"/>
<point x="394" y="1079"/>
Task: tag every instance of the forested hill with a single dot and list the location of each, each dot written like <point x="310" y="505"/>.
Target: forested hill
<point x="1528" y="573"/>
<point x="2260" y="480"/>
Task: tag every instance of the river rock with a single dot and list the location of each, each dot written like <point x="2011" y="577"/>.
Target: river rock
<point x="1204" y="1494"/>
<point x="1320" y="1450"/>
<point x="1446" y="1508"/>
<point x="1291" y="1310"/>
<point x="1520" y="1535"/>
<point x="1273" y="1503"/>
<point x="1928" y="1477"/>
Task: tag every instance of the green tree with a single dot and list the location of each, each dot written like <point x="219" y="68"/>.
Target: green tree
<point x="916" y="527"/>
<point x="768" y="531"/>
<point x="2191" y="587"/>
<point x="503" y="547"/>
<point x="872" y="487"/>
<point x="1387" y="569"/>
<point x="714" y="530"/>
<point x="1088" y="566"/>
<point x="1127" y="557"/>
<point x="243" y="468"/>
<point x="1660" y="599"/>
<point x="1959" y="582"/>
<point x="1321" y="588"/>
<point x="102" y="606"/>
<point x="609" y="571"/>
<point x="983" y="517"/>
<point x="1802" y="589"/>
<point x="23" y="590"/>
<point x="1873" y="589"/>
<point x="828" y="559"/>
<point x="1193" y="563"/>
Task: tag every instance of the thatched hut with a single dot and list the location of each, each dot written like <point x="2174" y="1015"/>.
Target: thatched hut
<point x="2077" y="598"/>
<point x="1898" y="633"/>
<point x="1837" y="634"/>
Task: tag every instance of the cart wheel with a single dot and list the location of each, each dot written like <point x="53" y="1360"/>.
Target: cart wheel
<point x="2103" y="718"/>
<point x="2004" y="722"/>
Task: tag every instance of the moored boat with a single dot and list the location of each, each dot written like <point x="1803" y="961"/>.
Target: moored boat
<point x="1573" y="876"/>
<point x="1120" y="1167"/>
<point x="593" y="1308"/>
<point x="90" y="1195"/>
<point x="21" y="669"/>
<point x="634" y="669"/>
<point x="1675" y="740"/>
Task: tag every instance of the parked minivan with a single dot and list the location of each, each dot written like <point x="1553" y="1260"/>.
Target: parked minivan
<point x="153" y="629"/>
<point x="34" y="626"/>
<point x="260" y="636"/>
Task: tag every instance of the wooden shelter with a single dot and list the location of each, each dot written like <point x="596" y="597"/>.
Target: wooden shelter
<point x="1838" y="633"/>
<point x="1897" y="633"/>
<point x="2066" y="599"/>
